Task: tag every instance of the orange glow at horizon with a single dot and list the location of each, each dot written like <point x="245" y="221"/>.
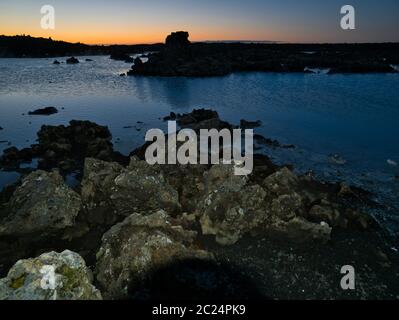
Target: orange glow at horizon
<point x="110" y="32"/>
<point x="143" y="36"/>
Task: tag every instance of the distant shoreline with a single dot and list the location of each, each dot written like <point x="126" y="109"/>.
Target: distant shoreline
<point x="22" y="46"/>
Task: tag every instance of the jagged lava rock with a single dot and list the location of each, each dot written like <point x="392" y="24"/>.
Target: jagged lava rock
<point x="133" y="249"/>
<point x="110" y="191"/>
<point x="43" y="204"/>
<point x="26" y="280"/>
<point x="230" y="207"/>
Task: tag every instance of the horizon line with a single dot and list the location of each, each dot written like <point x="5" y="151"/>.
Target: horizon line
<point x="198" y="41"/>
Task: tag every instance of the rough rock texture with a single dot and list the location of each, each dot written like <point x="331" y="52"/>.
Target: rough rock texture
<point x="65" y="147"/>
<point x="230" y="208"/>
<point x="110" y="191"/>
<point x="287" y="204"/>
<point x="138" y="246"/>
<point x="43" y="204"/>
<point x="233" y="207"/>
<point x="32" y="279"/>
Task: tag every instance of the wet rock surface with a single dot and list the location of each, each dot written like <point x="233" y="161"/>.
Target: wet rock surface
<point x="31" y="279"/>
<point x="179" y="57"/>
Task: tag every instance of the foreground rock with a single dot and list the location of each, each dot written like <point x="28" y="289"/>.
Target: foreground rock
<point x="51" y="276"/>
<point x="232" y="207"/>
<point x="137" y="247"/>
<point x="110" y="191"/>
<point x="41" y="206"/>
<point x="44" y="111"/>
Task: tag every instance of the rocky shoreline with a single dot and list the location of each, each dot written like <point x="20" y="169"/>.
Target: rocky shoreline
<point x="179" y="57"/>
<point x="129" y="230"/>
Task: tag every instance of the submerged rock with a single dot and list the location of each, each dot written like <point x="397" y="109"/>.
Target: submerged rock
<point x="51" y="276"/>
<point x="244" y="124"/>
<point x="44" y="111"/>
<point x="41" y="205"/>
<point x="139" y="246"/>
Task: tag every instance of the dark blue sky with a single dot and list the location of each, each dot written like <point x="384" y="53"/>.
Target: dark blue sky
<point x="124" y="21"/>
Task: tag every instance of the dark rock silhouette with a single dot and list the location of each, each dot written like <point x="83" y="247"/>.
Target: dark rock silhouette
<point x="56" y="62"/>
<point x="72" y="60"/>
<point x="179" y="57"/>
<point x="120" y="56"/>
<point x="27" y="46"/>
<point x="44" y="111"/>
<point x="177" y="40"/>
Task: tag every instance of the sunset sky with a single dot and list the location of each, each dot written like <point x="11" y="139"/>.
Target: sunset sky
<point x="149" y="21"/>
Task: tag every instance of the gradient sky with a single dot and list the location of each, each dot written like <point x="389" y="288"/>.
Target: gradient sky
<point x="149" y="21"/>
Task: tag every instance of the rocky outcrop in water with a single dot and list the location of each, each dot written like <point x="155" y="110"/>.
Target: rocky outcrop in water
<point x="65" y="147"/>
<point x="51" y="276"/>
<point x="72" y="60"/>
<point x="44" y="111"/>
<point x="179" y="57"/>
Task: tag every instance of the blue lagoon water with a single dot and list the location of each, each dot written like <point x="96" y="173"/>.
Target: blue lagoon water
<point x="353" y="116"/>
